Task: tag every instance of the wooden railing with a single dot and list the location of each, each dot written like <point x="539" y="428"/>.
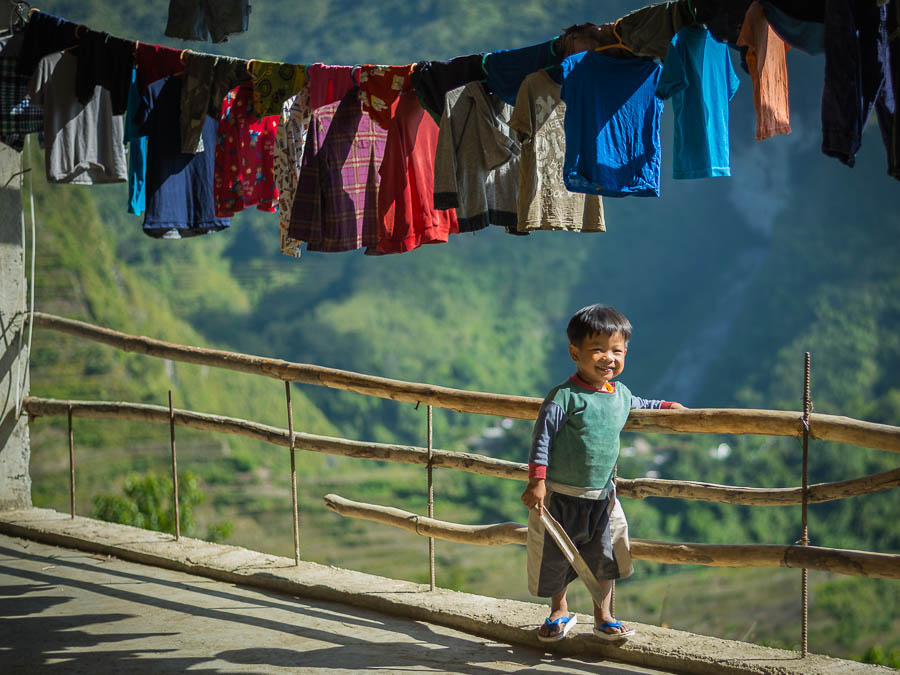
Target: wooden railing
<point x="724" y="421"/>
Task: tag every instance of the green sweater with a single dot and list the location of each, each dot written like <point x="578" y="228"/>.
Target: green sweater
<point x="586" y="447"/>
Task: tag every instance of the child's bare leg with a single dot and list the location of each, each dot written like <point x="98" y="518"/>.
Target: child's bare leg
<point x="602" y="613"/>
<point x="558" y="608"/>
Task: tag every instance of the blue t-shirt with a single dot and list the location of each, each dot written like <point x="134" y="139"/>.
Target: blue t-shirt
<point x="508" y="68"/>
<point x="700" y="79"/>
<point x="179" y="185"/>
<point x="137" y="152"/>
<point x="611" y="125"/>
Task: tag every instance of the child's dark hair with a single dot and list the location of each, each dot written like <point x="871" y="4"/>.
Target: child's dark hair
<point x="595" y="319"/>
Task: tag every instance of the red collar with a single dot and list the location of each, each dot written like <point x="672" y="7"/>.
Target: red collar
<point x="608" y="388"/>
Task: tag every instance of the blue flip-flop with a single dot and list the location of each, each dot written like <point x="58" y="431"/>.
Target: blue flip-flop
<point x="600" y="631"/>
<point x="564" y="623"/>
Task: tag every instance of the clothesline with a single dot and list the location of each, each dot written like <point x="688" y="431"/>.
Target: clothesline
<point x="388" y="158"/>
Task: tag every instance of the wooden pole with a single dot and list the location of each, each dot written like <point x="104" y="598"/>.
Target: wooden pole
<point x="638" y="488"/>
<point x="174" y="468"/>
<point x="710" y="421"/>
<point x="841" y="561"/>
<point x="296" y="510"/>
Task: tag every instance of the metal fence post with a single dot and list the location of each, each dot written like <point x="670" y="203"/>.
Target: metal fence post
<point x="174" y="468"/>
<point x="804" y="538"/>
<point x="430" y="494"/>
<point x="612" y="590"/>
<point x="71" y="465"/>
<point x="296" y="511"/>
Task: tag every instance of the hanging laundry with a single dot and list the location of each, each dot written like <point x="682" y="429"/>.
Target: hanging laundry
<point x="585" y="36"/>
<point x="207" y="79"/>
<point x="179" y="184"/>
<point x="856" y="67"/>
<point x="699" y="78"/>
<point x="767" y="65"/>
<point x="44" y="34"/>
<point x="476" y="164"/>
<point x="812" y="11"/>
<point x="84" y="142"/>
<point x="543" y="201"/>
<point x="433" y="79"/>
<point x="107" y="62"/>
<point x="137" y="153"/>
<point x="723" y="18"/>
<point x="889" y="100"/>
<point x="290" y="136"/>
<point x="273" y="84"/>
<point x="649" y="31"/>
<point x="508" y="67"/>
<point x="245" y="146"/>
<point x="203" y="20"/>
<point x="379" y="87"/>
<point x="102" y="59"/>
<point x="336" y="204"/>
<point x="155" y="62"/>
<point x="612" y="125"/>
<point x="803" y="34"/>
<point x="406" y="214"/>
<point x="327" y="84"/>
<point x="18" y="115"/>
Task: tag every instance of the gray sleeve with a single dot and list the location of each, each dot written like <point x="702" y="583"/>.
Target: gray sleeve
<point x="446" y="195"/>
<point x="548" y="423"/>
<point x="638" y="403"/>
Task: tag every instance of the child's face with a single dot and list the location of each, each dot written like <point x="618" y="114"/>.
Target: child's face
<point x="599" y="357"/>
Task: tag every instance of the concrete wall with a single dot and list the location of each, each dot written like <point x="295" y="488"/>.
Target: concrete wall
<point x="15" y="481"/>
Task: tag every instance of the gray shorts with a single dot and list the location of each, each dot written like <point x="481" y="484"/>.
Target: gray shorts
<point x="599" y="531"/>
<point x="211" y="20"/>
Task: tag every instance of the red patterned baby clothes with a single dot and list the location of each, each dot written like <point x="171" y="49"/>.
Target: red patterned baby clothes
<point x="245" y="149"/>
<point x="379" y="87"/>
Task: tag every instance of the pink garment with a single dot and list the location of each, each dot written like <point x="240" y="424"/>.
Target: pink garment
<point x="327" y="84"/>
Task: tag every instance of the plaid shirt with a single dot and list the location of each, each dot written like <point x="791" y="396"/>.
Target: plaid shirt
<point x="336" y="203"/>
<point x="18" y="116"/>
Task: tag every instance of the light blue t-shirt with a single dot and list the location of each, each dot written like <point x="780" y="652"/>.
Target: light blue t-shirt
<point x="611" y="125"/>
<point x="700" y="79"/>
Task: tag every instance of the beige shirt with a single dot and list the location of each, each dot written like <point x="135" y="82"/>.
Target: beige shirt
<point x="543" y="201"/>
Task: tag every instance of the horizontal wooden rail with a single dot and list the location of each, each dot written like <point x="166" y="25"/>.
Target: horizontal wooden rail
<point x="638" y="488"/>
<point x="704" y="421"/>
<point x="855" y="563"/>
<point x="404" y="454"/>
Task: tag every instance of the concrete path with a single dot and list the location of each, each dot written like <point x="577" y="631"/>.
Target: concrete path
<point x="375" y="623"/>
<point x="63" y="610"/>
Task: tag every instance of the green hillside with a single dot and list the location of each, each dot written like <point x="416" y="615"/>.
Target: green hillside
<point x="727" y="281"/>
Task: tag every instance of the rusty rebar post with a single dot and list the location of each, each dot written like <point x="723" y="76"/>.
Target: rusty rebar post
<point x="612" y="590"/>
<point x="296" y="510"/>
<point x="174" y="468"/>
<point x="430" y="494"/>
<point x="804" y="538"/>
<point x="71" y="465"/>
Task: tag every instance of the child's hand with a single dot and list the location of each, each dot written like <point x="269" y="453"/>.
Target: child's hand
<point x="676" y="406"/>
<point x="534" y="494"/>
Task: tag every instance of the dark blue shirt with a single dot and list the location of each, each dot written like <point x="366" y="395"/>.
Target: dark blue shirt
<point x="179" y="185"/>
